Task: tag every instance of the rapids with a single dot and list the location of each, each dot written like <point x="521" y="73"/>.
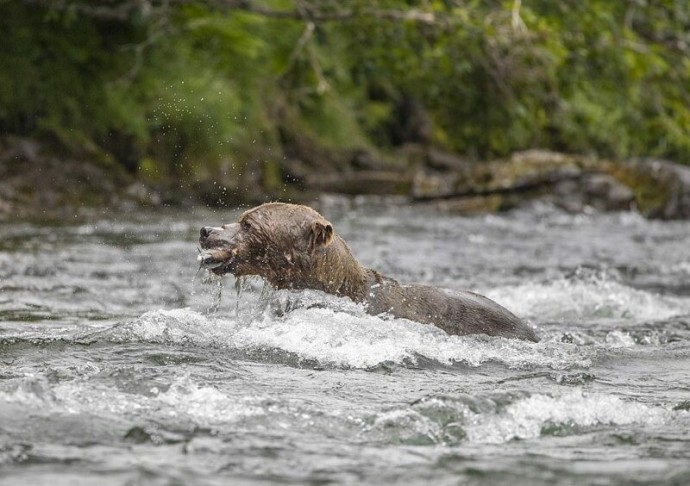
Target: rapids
<point x="119" y="365"/>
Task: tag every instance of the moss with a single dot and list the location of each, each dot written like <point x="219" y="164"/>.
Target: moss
<point x="651" y="193"/>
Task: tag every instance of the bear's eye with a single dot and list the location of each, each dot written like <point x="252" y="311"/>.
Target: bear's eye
<point x="246" y="225"/>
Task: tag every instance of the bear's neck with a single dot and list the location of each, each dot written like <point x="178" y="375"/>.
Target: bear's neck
<point x="335" y="270"/>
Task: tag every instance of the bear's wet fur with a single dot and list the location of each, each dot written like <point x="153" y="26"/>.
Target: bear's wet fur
<point x="292" y="246"/>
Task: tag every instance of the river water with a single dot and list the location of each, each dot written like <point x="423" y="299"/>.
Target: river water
<point x="118" y="365"/>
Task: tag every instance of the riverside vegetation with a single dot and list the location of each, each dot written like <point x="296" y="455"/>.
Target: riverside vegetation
<point x="227" y="102"/>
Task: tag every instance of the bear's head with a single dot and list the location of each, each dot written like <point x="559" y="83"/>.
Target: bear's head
<point x="276" y="241"/>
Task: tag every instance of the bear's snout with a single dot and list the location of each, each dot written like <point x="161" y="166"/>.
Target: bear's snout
<point x="222" y="236"/>
<point x="210" y="236"/>
<point x="205" y="231"/>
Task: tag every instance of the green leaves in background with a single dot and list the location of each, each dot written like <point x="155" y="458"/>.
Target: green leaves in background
<point x="179" y="87"/>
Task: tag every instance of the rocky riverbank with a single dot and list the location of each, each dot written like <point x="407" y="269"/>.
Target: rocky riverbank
<point x="37" y="182"/>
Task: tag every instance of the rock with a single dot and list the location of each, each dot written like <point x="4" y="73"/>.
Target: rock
<point x="662" y="188"/>
<point x="656" y="188"/>
<point x="362" y="182"/>
<point x="534" y="168"/>
<point x="38" y="184"/>
<point x="678" y="205"/>
<point x="472" y="205"/>
<point x="18" y="148"/>
<point x="366" y="160"/>
<point x="605" y="193"/>
<point x="599" y="191"/>
<point x="567" y="195"/>
<point x="429" y="185"/>
<point x="413" y="155"/>
<point x="447" y="162"/>
<point x="544" y="158"/>
<point x="525" y="172"/>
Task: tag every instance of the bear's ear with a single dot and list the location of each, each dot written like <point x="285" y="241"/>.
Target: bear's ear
<point x="321" y="234"/>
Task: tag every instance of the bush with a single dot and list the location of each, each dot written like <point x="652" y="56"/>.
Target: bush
<point x="179" y="92"/>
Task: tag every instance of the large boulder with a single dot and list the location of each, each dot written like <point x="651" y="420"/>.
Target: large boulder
<point x="656" y="188"/>
<point x="661" y="188"/>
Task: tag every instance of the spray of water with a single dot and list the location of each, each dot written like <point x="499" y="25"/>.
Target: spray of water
<point x="256" y="309"/>
<point x="209" y="278"/>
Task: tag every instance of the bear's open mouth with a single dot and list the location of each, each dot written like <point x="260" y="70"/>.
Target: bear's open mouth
<point x="217" y="260"/>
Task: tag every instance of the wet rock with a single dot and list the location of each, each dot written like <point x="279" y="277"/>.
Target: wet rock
<point x="602" y="192"/>
<point x="658" y="189"/>
<point x="682" y="406"/>
<point x="153" y="435"/>
<point x="532" y="169"/>
<point x="661" y="187"/>
<point x="567" y="195"/>
<point x="606" y="193"/>
<point x="524" y="172"/>
<point x="573" y="379"/>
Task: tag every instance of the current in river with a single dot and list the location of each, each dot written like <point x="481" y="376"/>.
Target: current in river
<point x="120" y="365"/>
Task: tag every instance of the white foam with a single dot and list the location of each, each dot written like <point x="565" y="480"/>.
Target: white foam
<point x="577" y="299"/>
<point x="206" y="404"/>
<point x="449" y="420"/>
<point x="30" y="391"/>
<point x="525" y="418"/>
<point x="440" y="420"/>
<point x="184" y="400"/>
<point x="345" y="337"/>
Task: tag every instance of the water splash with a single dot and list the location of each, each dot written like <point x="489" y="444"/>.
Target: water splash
<point x="238" y="290"/>
<point x="345" y="337"/>
<point x="500" y="418"/>
<point x="587" y="295"/>
<point x="530" y="417"/>
<point x="217" y="296"/>
<point x="209" y="278"/>
<point x="181" y="399"/>
<point x="249" y="306"/>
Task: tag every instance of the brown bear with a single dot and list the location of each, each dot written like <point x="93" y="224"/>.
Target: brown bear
<point x="293" y="247"/>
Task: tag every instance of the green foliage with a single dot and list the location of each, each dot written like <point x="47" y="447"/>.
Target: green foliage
<point x="177" y="91"/>
<point x="595" y="76"/>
